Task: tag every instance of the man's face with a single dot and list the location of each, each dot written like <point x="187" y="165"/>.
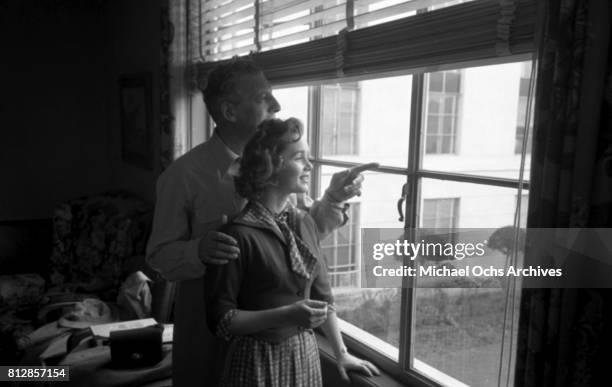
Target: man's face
<point x="255" y="101"/>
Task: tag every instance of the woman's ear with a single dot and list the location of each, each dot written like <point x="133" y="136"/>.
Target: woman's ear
<point x="228" y="111"/>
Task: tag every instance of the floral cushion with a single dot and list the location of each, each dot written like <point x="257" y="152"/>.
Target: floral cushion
<point x="94" y="238"/>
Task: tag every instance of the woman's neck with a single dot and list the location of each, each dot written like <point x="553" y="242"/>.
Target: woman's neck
<point x="274" y="201"/>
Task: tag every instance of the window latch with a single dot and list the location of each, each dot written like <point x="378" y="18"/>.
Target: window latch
<point x="400" y="202"/>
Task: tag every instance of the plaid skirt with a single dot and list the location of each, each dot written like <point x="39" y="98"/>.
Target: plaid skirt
<point x="293" y="362"/>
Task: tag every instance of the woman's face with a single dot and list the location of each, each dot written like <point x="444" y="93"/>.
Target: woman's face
<point x="294" y="175"/>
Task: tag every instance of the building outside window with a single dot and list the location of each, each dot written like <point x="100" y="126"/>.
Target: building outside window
<point x="440" y="213"/>
<point x="340" y="119"/>
<point x="443" y="93"/>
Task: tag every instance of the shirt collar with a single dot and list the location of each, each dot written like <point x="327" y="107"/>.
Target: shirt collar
<point x="227" y="158"/>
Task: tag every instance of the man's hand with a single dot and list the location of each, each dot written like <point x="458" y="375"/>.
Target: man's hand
<point x="347" y="184"/>
<point x="218" y="248"/>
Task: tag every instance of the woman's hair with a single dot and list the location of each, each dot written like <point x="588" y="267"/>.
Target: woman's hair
<point x="261" y="158"/>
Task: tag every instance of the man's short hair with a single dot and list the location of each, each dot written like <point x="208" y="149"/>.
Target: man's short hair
<point x="221" y="83"/>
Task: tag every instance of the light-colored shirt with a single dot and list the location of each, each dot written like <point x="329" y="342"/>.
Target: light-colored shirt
<point x="192" y="196"/>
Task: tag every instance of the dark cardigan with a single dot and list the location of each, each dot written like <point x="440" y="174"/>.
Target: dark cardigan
<point x="261" y="278"/>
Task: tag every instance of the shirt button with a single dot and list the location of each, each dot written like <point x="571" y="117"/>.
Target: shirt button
<point x="300" y="293"/>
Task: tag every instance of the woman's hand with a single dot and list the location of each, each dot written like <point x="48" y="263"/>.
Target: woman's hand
<point x="308" y="313"/>
<point x="348" y="362"/>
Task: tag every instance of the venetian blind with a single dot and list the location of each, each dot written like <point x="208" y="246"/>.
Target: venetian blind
<point x="308" y="40"/>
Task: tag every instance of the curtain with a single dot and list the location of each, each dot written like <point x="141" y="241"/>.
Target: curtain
<point x="564" y="333"/>
<point x="174" y="99"/>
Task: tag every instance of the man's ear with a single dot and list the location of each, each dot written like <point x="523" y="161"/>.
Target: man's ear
<point x="228" y="111"/>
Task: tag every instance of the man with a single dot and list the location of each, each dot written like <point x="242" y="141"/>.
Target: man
<point x="196" y="194"/>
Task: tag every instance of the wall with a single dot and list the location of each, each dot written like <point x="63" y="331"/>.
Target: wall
<point x="135" y="45"/>
<point x="60" y="131"/>
<point x="54" y="142"/>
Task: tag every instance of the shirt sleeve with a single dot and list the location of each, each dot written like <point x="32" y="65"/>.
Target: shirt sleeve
<point x="327" y="214"/>
<point x="170" y="250"/>
<point x="222" y="287"/>
<point x="321" y="289"/>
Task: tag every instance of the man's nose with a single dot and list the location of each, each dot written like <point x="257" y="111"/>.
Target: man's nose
<point x="274" y="106"/>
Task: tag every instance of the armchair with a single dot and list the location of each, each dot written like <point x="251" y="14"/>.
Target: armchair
<point x="97" y="241"/>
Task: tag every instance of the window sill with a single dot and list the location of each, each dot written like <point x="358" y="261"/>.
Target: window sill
<point x="331" y="377"/>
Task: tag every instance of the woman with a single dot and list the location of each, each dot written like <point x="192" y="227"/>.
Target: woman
<point x="268" y="300"/>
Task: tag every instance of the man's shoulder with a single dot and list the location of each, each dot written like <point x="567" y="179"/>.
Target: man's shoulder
<point x="195" y="160"/>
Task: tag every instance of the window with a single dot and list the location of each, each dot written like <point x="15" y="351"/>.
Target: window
<point x="452" y="328"/>
<point x="340" y="250"/>
<point x="442" y="111"/>
<point x="429" y="89"/>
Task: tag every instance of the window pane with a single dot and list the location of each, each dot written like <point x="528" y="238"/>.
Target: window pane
<point x="376" y="311"/>
<point x="459" y="331"/>
<point x="435" y="82"/>
<point x="440" y="117"/>
<point x="294" y="103"/>
<point x="367" y="121"/>
<point x="485" y="118"/>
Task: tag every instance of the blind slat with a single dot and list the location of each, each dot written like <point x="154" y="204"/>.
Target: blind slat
<point x="327" y="13"/>
<point x="271" y="10"/>
<point x="214" y="9"/>
<point x="325" y="30"/>
<point x="249" y="24"/>
<point x="371" y="16"/>
<point x="227" y="20"/>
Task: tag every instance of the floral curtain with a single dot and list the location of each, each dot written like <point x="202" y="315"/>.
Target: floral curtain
<point x="564" y="333"/>
<point x="175" y="130"/>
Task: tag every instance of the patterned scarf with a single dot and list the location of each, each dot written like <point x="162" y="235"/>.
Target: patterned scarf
<point x="303" y="262"/>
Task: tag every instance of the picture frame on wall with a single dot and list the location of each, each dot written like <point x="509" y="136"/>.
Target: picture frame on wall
<point x="136" y="120"/>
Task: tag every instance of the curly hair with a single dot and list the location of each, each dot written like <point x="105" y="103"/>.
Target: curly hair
<point x="221" y="82"/>
<point x="261" y="159"/>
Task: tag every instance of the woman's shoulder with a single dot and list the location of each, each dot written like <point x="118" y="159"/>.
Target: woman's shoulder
<point x="303" y="218"/>
<point x="236" y="229"/>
